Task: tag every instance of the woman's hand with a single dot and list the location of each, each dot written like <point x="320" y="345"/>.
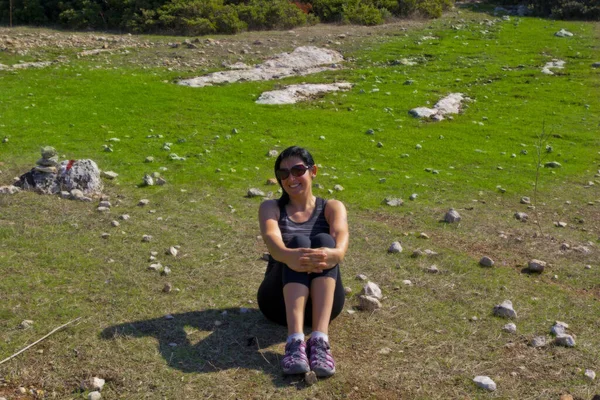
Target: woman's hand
<point x="312" y="260"/>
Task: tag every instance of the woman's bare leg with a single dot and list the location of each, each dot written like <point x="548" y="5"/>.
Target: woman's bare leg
<point x="321" y="293"/>
<point x="295" y="296"/>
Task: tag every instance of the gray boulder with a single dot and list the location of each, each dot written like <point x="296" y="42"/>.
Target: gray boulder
<point x="563" y="33"/>
<point x="452" y="216"/>
<point x="505" y="310"/>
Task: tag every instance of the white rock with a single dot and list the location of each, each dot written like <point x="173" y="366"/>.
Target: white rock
<point x="407" y="282"/>
<point x="510" y="328"/>
<point x="559" y="328"/>
<point x="361" y="277"/>
<point x="371" y="289"/>
<point x="254" y="192"/>
<point x="536" y="266"/>
<point x="565" y="340"/>
<point x="452" y="216"/>
<point x="396" y="247"/>
<point x="97" y="383"/>
<point x="590" y="374"/>
<point x="94" y="396"/>
<point x="505" y="310"/>
<point x="146" y="238"/>
<point x="26" y="324"/>
<point x="521" y="216"/>
<point x="172" y="251"/>
<point x="563" y="33"/>
<point x="433" y="269"/>
<point x="368" y="303"/>
<point x="143" y="202"/>
<point x="10" y="189"/>
<point x="109" y="174"/>
<point x="295" y="93"/>
<point x="156" y="267"/>
<point x="485" y="382"/>
<point x="538" y="341"/>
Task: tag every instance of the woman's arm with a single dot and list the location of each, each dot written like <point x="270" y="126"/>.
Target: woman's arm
<point x="296" y="259"/>
<point x="336" y="216"/>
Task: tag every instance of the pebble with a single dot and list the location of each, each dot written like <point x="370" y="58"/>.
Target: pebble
<point x="115" y="223"/>
<point x="486" y="261"/>
<point x="485" y="382"/>
<point x="94" y="396"/>
<point x="510" y="328"/>
<point x="538" y="341"/>
<point x="146" y="238"/>
<point x="254" y="192"/>
<point x="559" y="328"/>
<point x="168" y="288"/>
<point x="588" y="267"/>
<point x="525" y="200"/>
<point x="407" y="282"/>
<point x="169" y="317"/>
<point x="552" y="164"/>
<point x="105" y="235"/>
<point x="505" y="310"/>
<point x="413" y="196"/>
<point x="396" y="247"/>
<point x="565" y="340"/>
<point x="536" y="266"/>
<point x="521" y="216"/>
<point x="347" y="290"/>
<point x="393" y="202"/>
<point x="423" y="235"/>
<point x="143" y="202"/>
<point x="310" y="378"/>
<point x="338" y="188"/>
<point x="109" y="174"/>
<point x="125" y="217"/>
<point x="433" y="269"/>
<point x="172" y="251"/>
<point x="590" y="374"/>
<point x="97" y="383"/>
<point x="385" y="350"/>
<point x="560" y="224"/>
<point x="368" y="303"/>
<point x="452" y="216"/>
<point x="26" y="324"/>
<point x="361" y="277"/>
<point x="371" y="289"/>
<point x="103" y="209"/>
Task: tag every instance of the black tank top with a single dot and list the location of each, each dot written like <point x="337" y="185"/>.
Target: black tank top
<point x="317" y="223"/>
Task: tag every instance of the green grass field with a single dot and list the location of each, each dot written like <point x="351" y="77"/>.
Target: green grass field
<point x="55" y="267"/>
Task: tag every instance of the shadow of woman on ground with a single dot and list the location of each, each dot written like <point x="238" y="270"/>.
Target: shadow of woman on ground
<point x="211" y="340"/>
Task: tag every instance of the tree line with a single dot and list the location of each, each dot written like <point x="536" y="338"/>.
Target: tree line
<point x="201" y="17"/>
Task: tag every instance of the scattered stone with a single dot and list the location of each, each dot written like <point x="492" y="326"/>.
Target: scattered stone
<point x="10" y="189"/>
<point x="143" y="202"/>
<point x="563" y="33"/>
<point x="361" y="277"/>
<point x="125" y="217"/>
<point x="310" y="378"/>
<point x="105" y="235"/>
<point x="115" y="223"/>
<point x="536" y="266"/>
<point x="149" y="159"/>
<point x="385" y="351"/>
<point x="485" y="382"/>
<point x="559" y="328"/>
<point x="347" y="290"/>
<point x="272" y="181"/>
<point x="413" y="196"/>
<point x="160" y="181"/>
<point x="109" y="174"/>
<point x="96" y="383"/>
<point x="165" y="271"/>
<point x="148" y="180"/>
<point x="272" y="153"/>
<point x="172" y="250"/>
<point x="406" y="282"/>
<point x="156" y="267"/>
<point x="552" y="164"/>
<point x="168" y="288"/>
<point x="368" y="303"/>
<point x="169" y="317"/>
<point x="538" y="341"/>
<point x="525" y="200"/>
<point x="417" y="253"/>
<point x="103" y="209"/>
<point x="560" y="224"/>
<point x="423" y="235"/>
<point x="505" y="310"/>
<point x="393" y="202"/>
<point x="521" y="216"/>
<point x="371" y="289"/>
<point x="510" y="328"/>
<point x="452" y="216"/>
<point x="94" y="396"/>
<point x="431" y="253"/>
<point x="26" y="324"/>
<point x="338" y="188"/>
<point x="146" y="238"/>
<point x="486" y="261"/>
<point x="450" y="104"/>
<point x="433" y="269"/>
<point x="396" y="247"/>
<point x="253" y="192"/>
<point x="564" y="340"/>
<point x="588" y="267"/>
<point x="590" y="374"/>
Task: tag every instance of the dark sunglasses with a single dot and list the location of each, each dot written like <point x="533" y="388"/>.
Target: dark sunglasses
<point x="296" y="170"/>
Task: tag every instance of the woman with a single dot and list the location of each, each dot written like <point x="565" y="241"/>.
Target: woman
<point x="307" y="238"/>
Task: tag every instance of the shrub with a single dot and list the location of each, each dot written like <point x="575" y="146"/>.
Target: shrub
<point x="425" y="8"/>
<point x="363" y="14"/>
<point x="329" y="10"/>
<point x="227" y="21"/>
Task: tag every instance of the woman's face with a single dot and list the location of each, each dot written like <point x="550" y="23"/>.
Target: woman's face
<point x="295" y="185"/>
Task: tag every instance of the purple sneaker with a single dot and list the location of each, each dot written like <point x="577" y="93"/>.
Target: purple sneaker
<point x="295" y="360"/>
<point x="321" y="360"/>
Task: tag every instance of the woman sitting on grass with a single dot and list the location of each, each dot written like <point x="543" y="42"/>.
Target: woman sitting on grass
<point x="307" y="237"/>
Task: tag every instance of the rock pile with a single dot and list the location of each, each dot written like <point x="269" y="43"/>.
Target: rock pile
<point x="51" y="177"/>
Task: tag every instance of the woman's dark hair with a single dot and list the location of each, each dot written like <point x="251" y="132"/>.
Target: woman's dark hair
<point x="293" y="151"/>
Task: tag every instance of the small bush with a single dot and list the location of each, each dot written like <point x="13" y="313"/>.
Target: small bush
<point x="362" y="14"/>
<point x="227" y="20"/>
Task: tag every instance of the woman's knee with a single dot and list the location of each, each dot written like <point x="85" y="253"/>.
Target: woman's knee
<point x="322" y="240"/>
<point x="299" y="242"/>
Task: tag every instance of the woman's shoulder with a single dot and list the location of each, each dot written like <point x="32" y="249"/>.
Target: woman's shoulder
<point x="334" y="206"/>
<point x="269" y="209"/>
